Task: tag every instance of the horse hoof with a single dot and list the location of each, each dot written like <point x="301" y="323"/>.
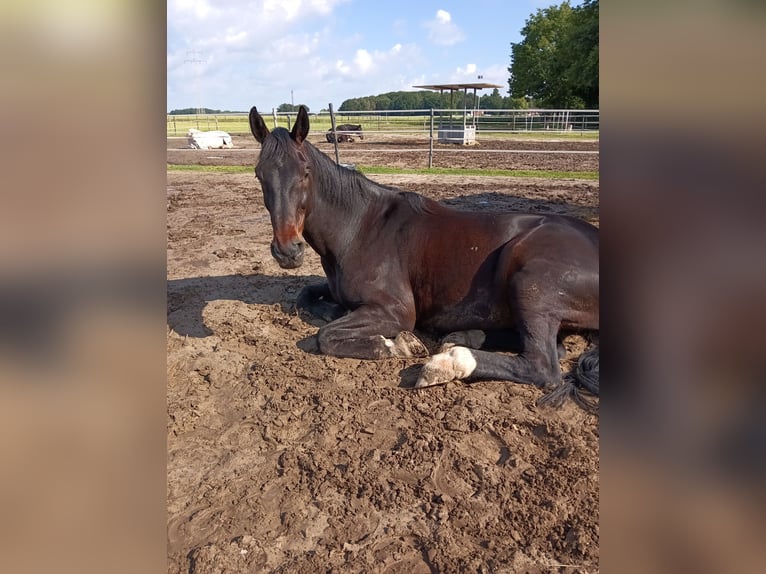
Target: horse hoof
<point x="408" y="345"/>
<point x="456" y="363"/>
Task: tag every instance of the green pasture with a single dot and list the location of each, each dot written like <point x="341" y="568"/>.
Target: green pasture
<point x="513" y="126"/>
<point x="238" y="124"/>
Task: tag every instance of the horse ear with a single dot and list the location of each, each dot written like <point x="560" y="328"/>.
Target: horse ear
<point x="258" y="126"/>
<point x="301" y="127"/>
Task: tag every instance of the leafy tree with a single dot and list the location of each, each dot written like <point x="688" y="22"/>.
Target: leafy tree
<point x="403" y="100"/>
<point x="367" y="103"/>
<point x="191" y="111"/>
<point x="516" y="103"/>
<point x="382" y="102"/>
<point x="582" y="55"/>
<point x="556" y="63"/>
<point x="432" y="100"/>
<point x="348" y="105"/>
<point x="406" y="101"/>
<point x="291" y="107"/>
<point x="493" y="101"/>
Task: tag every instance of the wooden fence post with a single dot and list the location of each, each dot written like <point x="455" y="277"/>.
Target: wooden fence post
<point x="335" y="136"/>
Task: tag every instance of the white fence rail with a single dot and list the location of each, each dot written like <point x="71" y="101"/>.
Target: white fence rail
<point x="424" y="128"/>
<point x="488" y="122"/>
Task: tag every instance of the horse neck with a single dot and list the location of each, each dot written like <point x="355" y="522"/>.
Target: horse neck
<point x="341" y="200"/>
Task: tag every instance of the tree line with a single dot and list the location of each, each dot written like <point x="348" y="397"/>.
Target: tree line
<point x="426" y="99"/>
<point x="203" y="111"/>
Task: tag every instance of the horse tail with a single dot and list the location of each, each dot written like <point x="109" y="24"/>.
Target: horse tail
<point x="581" y="384"/>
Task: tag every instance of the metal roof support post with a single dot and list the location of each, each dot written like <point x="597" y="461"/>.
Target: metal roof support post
<point x="441" y="105"/>
<point x="431" y="142"/>
<point x="465" y="109"/>
<point x="451" y="105"/>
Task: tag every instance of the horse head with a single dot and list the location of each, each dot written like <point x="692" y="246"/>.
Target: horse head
<point x="284" y="172"/>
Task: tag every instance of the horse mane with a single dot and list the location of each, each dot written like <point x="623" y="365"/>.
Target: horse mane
<point x="343" y="187"/>
<point x="347" y="186"/>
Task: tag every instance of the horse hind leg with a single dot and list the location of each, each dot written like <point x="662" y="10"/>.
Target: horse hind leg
<point x="537" y="365"/>
<point x="476" y="339"/>
<point x="473" y="339"/>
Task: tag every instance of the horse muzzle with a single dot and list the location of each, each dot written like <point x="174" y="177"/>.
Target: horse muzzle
<point x="290" y="255"/>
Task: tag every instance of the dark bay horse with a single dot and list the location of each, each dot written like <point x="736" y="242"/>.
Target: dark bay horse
<point x="395" y="260"/>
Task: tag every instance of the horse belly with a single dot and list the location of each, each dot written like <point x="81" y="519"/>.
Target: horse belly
<point x="464" y="318"/>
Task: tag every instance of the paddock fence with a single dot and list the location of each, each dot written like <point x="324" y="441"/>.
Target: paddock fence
<point x="422" y="128"/>
<point x="488" y="122"/>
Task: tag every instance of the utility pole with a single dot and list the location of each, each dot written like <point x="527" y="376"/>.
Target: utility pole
<point x="194" y="57"/>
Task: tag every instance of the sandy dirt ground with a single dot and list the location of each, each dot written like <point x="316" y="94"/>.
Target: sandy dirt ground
<point x="385" y="149"/>
<point x="283" y="460"/>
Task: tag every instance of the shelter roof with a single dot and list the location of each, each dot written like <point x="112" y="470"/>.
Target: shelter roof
<point x="470" y="86"/>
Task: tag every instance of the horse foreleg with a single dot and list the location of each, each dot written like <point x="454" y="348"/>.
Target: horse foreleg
<point x="317" y="300"/>
<point x="369" y="333"/>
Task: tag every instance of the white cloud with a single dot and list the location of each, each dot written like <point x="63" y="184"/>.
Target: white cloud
<point x="363" y="61"/>
<point x="383" y="62"/>
<point x="241" y="42"/>
<point x="287" y="9"/>
<point x="257" y="52"/>
<point x="443" y="16"/>
<point x="199" y="9"/>
<point x="496" y="74"/>
<point x="442" y="31"/>
<point x="493" y="74"/>
<point x="290" y="48"/>
<point x="265" y="19"/>
<point x="235" y="38"/>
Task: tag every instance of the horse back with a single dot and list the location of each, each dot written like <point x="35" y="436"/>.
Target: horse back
<point x="460" y="262"/>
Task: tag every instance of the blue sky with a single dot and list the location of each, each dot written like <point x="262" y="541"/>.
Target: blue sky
<point x="254" y="52"/>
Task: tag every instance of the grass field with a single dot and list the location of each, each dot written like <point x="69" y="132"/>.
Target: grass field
<point x="515" y="124"/>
